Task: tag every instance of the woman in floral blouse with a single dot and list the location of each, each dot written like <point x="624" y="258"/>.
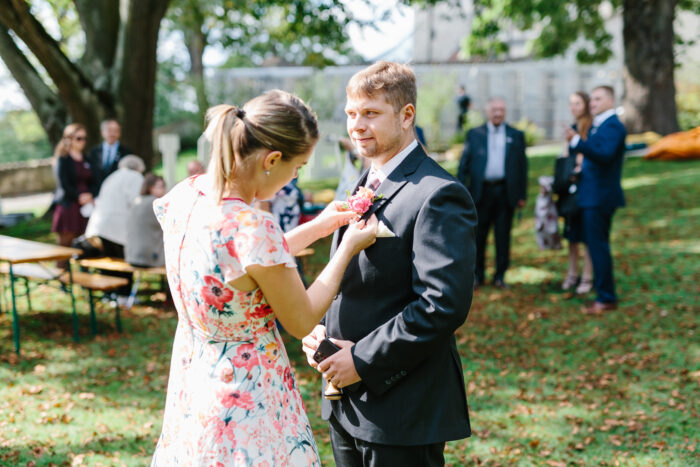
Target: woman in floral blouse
<point x="232" y="399"/>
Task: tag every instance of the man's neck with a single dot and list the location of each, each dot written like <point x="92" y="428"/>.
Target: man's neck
<point x="380" y="161"/>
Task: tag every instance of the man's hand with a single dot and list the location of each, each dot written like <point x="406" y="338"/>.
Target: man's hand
<point x="569" y="133"/>
<point x="339" y="368"/>
<point x="310" y="344"/>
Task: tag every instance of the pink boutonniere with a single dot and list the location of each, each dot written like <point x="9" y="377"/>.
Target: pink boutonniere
<point x="361" y="201"/>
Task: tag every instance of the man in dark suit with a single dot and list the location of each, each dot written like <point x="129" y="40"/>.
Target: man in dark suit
<point x="402" y="298"/>
<point x="599" y="190"/>
<point x="494" y="168"/>
<point x="105" y="157"/>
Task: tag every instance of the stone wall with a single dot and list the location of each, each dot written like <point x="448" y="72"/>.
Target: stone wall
<point x="21" y="178"/>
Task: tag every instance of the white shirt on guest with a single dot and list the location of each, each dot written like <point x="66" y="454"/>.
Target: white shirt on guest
<point x="496" y="152"/>
<point x="597" y="121"/>
<point x="118" y="191"/>
<point x="384" y="171"/>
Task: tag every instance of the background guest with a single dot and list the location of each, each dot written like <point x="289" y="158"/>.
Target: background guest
<point x="112" y="206"/>
<point x="75" y="182"/>
<point x="566" y="173"/>
<point x="144" y="237"/>
<point x="105" y="157"/>
<point x="463" y="104"/>
<point x="494" y="169"/>
<point x="599" y="191"/>
<point x="194" y="167"/>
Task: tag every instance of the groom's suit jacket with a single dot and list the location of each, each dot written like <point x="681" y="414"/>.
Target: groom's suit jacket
<point x="400" y="301"/>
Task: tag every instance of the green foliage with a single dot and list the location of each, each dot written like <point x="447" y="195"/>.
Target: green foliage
<point x="22" y="137"/>
<point x="559" y="26"/>
<point x="688" y="102"/>
<point x="533" y="133"/>
<point x="474" y="119"/>
<point x="320" y="92"/>
<point x="435" y="93"/>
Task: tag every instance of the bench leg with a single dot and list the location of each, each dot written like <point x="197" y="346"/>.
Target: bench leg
<point x="15" y="321"/>
<point x="29" y="299"/>
<point x="76" y="334"/>
<point x="118" y="318"/>
<point x="93" y="318"/>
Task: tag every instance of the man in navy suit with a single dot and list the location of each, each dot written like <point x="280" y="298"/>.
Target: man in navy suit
<point x="401" y="299"/>
<point x="599" y="190"/>
<point x="494" y="169"/>
<point x="105" y="157"/>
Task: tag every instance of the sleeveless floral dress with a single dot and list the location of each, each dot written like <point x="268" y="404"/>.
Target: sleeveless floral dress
<point x="232" y="399"/>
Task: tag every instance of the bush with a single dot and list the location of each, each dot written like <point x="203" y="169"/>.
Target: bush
<point x="688" y="102"/>
<point x="533" y="133"/>
<point x="22" y="138"/>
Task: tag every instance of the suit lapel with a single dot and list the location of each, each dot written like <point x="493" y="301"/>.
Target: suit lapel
<point x="396" y="179"/>
<point x="338" y="235"/>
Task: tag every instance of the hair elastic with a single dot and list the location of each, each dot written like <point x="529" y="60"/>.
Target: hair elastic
<point x="240" y="113"/>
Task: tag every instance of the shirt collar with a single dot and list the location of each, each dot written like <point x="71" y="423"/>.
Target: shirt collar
<point x="600" y="118"/>
<point x="384" y="171"/>
<point x="493" y="128"/>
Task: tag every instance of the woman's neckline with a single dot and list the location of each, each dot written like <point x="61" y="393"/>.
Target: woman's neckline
<point x="200" y="189"/>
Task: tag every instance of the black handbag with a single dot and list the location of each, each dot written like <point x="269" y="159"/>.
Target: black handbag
<point x="565" y="186"/>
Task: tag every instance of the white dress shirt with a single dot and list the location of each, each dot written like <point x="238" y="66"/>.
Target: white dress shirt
<point x="384" y="171"/>
<point x="496" y="152"/>
<point x="597" y="121"/>
<point x="109" y="153"/>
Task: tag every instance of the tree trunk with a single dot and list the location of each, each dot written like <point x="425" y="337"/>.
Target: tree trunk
<point x="196" y="41"/>
<point x="650" y="91"/>
<point x="137" y="60"/>
<point x="45" y="102"/>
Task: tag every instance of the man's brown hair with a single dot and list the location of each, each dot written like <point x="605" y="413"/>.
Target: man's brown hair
<point x="607" y="89"/>
<point x="396" y="81"/>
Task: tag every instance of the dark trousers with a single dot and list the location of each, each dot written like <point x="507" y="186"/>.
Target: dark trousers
<point x="596" y="234"/>
<point x="352" y="452"/>
<point x="493" y="209"/>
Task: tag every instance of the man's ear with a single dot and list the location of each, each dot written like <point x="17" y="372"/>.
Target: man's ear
<point x="408" y="115"/>
<point x="271" y="158"/>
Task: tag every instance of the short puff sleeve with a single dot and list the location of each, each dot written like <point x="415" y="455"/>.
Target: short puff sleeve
<point x="248" y="237"/>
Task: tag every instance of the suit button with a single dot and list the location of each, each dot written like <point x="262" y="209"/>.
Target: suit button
<point x="403" y="372"/>
<point x="388" y="382"/>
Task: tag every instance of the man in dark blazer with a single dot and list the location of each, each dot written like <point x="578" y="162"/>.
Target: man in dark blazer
<point x="599" y="190"/>
<point x="105" y="157"/>
<point x="494" y="169"/>
<point x="402" y="298"/>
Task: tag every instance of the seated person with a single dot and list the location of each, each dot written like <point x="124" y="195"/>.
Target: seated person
<point x="144" y="237"/>
<point x="106" y="228"/>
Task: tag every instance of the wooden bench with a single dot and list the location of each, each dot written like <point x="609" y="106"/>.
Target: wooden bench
<point x="89" y="281"/>
<point x="119" y="265"/>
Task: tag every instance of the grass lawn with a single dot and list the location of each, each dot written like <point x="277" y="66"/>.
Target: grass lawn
<point x="546" y="384"/>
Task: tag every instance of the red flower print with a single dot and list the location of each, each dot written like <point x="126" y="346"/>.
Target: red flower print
<point x="288" y="379"/>
<point x="284" y="244"/>
<point x="260" y="311"/>
<point x="231" y="247"/>
<point x="246" y="357"/>
<point x="269" y="226"/>
<point x="215" y="293"/>
<point x="236" y="398"/>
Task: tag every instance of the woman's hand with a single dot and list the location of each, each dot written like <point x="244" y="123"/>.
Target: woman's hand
<point x="360" y="235"/>
<point x="332" y="218"/>
<point x="84" y="198"/>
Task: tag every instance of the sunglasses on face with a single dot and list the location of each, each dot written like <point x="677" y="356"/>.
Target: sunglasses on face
<point x="80" y="138"/>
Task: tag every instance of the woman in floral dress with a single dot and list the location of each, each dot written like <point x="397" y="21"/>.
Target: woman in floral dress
<point x="232" y="399"/>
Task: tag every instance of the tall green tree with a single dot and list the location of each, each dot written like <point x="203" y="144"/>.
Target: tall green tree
<point x="114" y="76"/>
<point x="648" y="40"/>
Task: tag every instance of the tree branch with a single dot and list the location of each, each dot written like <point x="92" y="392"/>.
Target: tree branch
<point x="73" y="87"/>
<point x="49" y="108"/>
<point x="100" y="21"/>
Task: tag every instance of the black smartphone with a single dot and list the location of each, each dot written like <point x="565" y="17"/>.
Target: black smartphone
<point x="325" y="349"/>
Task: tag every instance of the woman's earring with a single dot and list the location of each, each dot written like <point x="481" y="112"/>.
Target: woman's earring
<point x="267" y="172"/>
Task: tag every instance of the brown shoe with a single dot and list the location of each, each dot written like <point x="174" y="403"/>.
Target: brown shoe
<point x="598" y="308"/>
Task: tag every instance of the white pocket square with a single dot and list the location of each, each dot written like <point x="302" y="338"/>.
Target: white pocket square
<point x="383" y="231"/>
